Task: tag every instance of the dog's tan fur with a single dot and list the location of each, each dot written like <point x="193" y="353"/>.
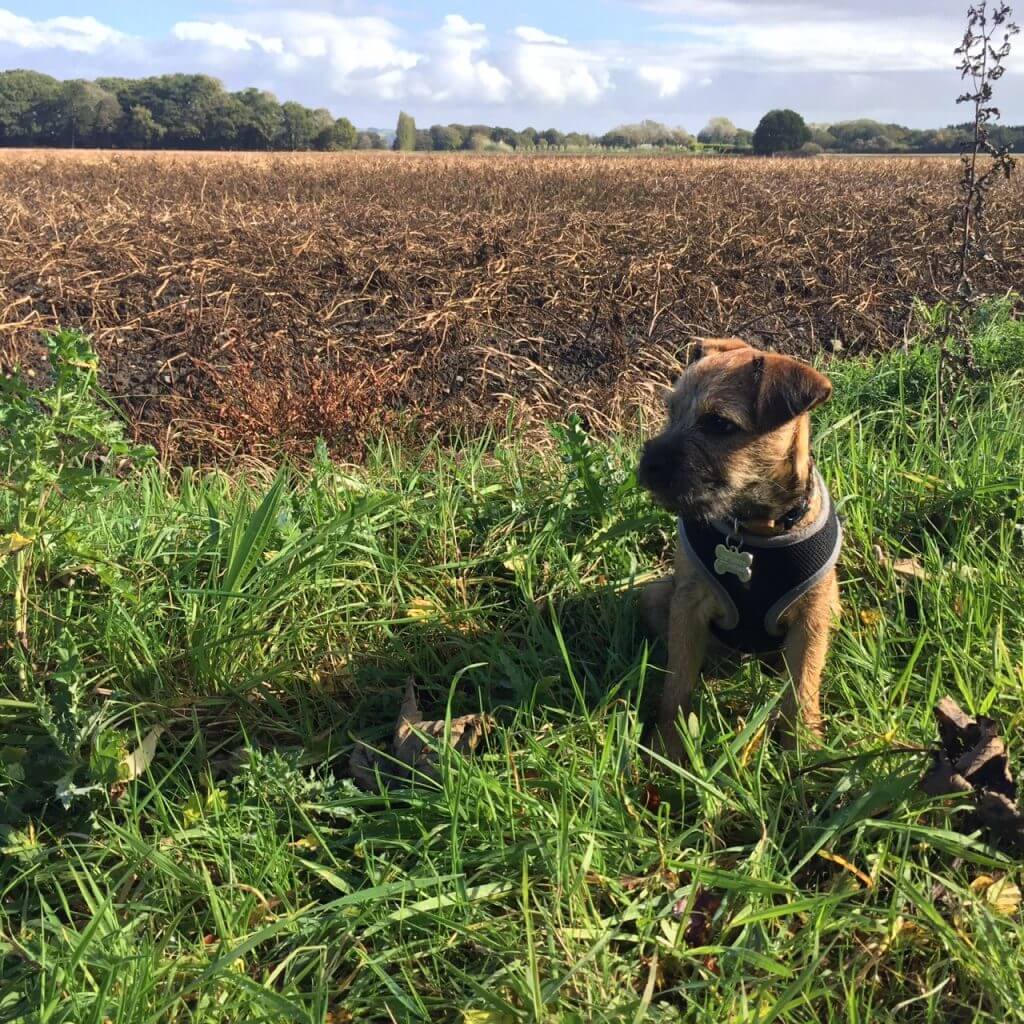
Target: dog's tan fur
<point x="762" y="467"/>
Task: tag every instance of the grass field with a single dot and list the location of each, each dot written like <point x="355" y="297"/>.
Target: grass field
<point x="224" y="869"/>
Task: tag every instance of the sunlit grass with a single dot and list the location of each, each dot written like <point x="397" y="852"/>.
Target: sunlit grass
<point x="264" y="622"/>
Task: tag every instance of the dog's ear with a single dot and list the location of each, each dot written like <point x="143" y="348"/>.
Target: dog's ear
<point x="784" y="389"/>
<point x="701" y="347"/>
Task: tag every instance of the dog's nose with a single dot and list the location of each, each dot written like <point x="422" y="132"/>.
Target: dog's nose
<point x="655" y="469"/>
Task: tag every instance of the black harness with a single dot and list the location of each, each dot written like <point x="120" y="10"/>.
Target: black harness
<point x="757" y="578"/>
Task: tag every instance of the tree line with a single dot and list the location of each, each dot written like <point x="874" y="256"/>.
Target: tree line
<point x="484" y="137"/>
<point x="181" y="111"/>
<point x="778" y="131"/>
<point x="163" y="112"/>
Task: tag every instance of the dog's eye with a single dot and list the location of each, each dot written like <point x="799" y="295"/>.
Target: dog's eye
<point x="712" y="423"/>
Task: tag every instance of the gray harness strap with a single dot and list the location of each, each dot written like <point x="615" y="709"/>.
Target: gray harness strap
<point x="782" y="569"/>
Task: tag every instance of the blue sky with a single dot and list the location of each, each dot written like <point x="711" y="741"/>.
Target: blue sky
<point x="585" y="65"/>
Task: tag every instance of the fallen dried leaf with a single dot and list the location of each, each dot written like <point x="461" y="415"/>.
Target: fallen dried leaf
<point x="1003" y="896"/>
<point x="11" y="543"/>
<point x="705" y="906"/>
<point x="421" y="609"/>
<point x="135" y="763"/>
<point x="487" y="1017"/>
<point x="835" y="858"/>
<point x="665" y="878"/>
<point x="909" y="568"/>
<point x="651" y="798"/>
<point x="414" y="745"/>
<point x="973" y="759"/>
<point x="753" y="746"/>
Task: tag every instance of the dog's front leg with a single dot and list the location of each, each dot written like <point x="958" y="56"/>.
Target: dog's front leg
<point x="687" y="645"/>
<point x="804" y="655"/>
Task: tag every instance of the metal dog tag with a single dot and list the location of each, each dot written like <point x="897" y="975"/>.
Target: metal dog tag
<point x="732" y="560"/>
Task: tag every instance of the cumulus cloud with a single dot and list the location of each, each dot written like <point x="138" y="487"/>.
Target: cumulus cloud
<point x="353" y="56"/>
<point x="535" y="35"/>
<point x="229" y="37"/>
<point x="548" y="69"/>
<point x="835" y="45"/>
<point x="667" y="80"/>
<point x="684" y="59"/>
<point x="811" y="35"/>
<point x="79" y="35"/>
<point x="456" y="71"/>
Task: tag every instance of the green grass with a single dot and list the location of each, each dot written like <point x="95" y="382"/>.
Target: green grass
<point x="263" y="622"/>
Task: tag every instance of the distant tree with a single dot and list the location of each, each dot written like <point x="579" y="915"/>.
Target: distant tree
<point x="864" y="134"/>
<point x="345" y="133"/>
<point x="369" y="140"/>
<point x="423" y="140"/>
<point x="553" y="137"/>
<point x="616" y="139"/>
<point x="259" y="118"/>
<point x="26" y="99"/>
<point x="939" y="140"/>
<point x="106" y="120"/>
<point x="578" y="140"/>
<point x="175" y="110"/>
<point x="185" y="105"/>
<point x="822" y="136"/>
<point x="141" y="130"/>
<point x="527" y="139"/>
<point x="322" y="133"/>
<point x="463" y="132"/>
<point x="445" y="137"/>
<point x="780" y="131"/>
<point x="744" y="138"/>
<point x="810" y="149"/>
<point x="405" y="139"/>
<point x="646" y="133"/>
<point x="82" y="111"/>
<point x="505" y="135"/>
<point x="718" y="131"/>
<point x="295" y="130"/>
<point x="224" y="122"/>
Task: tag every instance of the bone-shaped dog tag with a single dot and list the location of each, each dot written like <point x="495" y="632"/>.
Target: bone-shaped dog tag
<point x="732" y="560"/>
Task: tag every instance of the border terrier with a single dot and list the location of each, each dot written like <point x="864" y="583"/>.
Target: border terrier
<point x="758" y="535"/>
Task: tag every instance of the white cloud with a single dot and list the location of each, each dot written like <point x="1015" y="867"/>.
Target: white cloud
<point x="225" y="36"/>
<point x="554" y="72"/>
<point x="667" y="80"/>
<point x="832" y="45"/>
<point x="685" y="60"/>
<point x="455" y="71"/>
<point x="351" y="56"/>
<point x="79" y="35"/>
<point x="536" y="35"/>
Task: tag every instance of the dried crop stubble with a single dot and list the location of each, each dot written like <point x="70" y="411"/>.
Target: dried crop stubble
<point x="246" y="302"/>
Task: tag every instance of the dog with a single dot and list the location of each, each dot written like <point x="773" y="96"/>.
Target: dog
<point x="758" y="534"/>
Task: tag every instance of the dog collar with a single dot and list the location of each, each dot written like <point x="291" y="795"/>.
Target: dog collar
<point x="789" y="519"/>
<point x="757" y="578"/>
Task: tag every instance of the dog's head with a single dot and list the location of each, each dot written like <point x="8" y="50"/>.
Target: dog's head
<point x="737" y="440"/>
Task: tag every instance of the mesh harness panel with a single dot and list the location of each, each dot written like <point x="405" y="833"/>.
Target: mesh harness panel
<point x="784" y="568"/>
